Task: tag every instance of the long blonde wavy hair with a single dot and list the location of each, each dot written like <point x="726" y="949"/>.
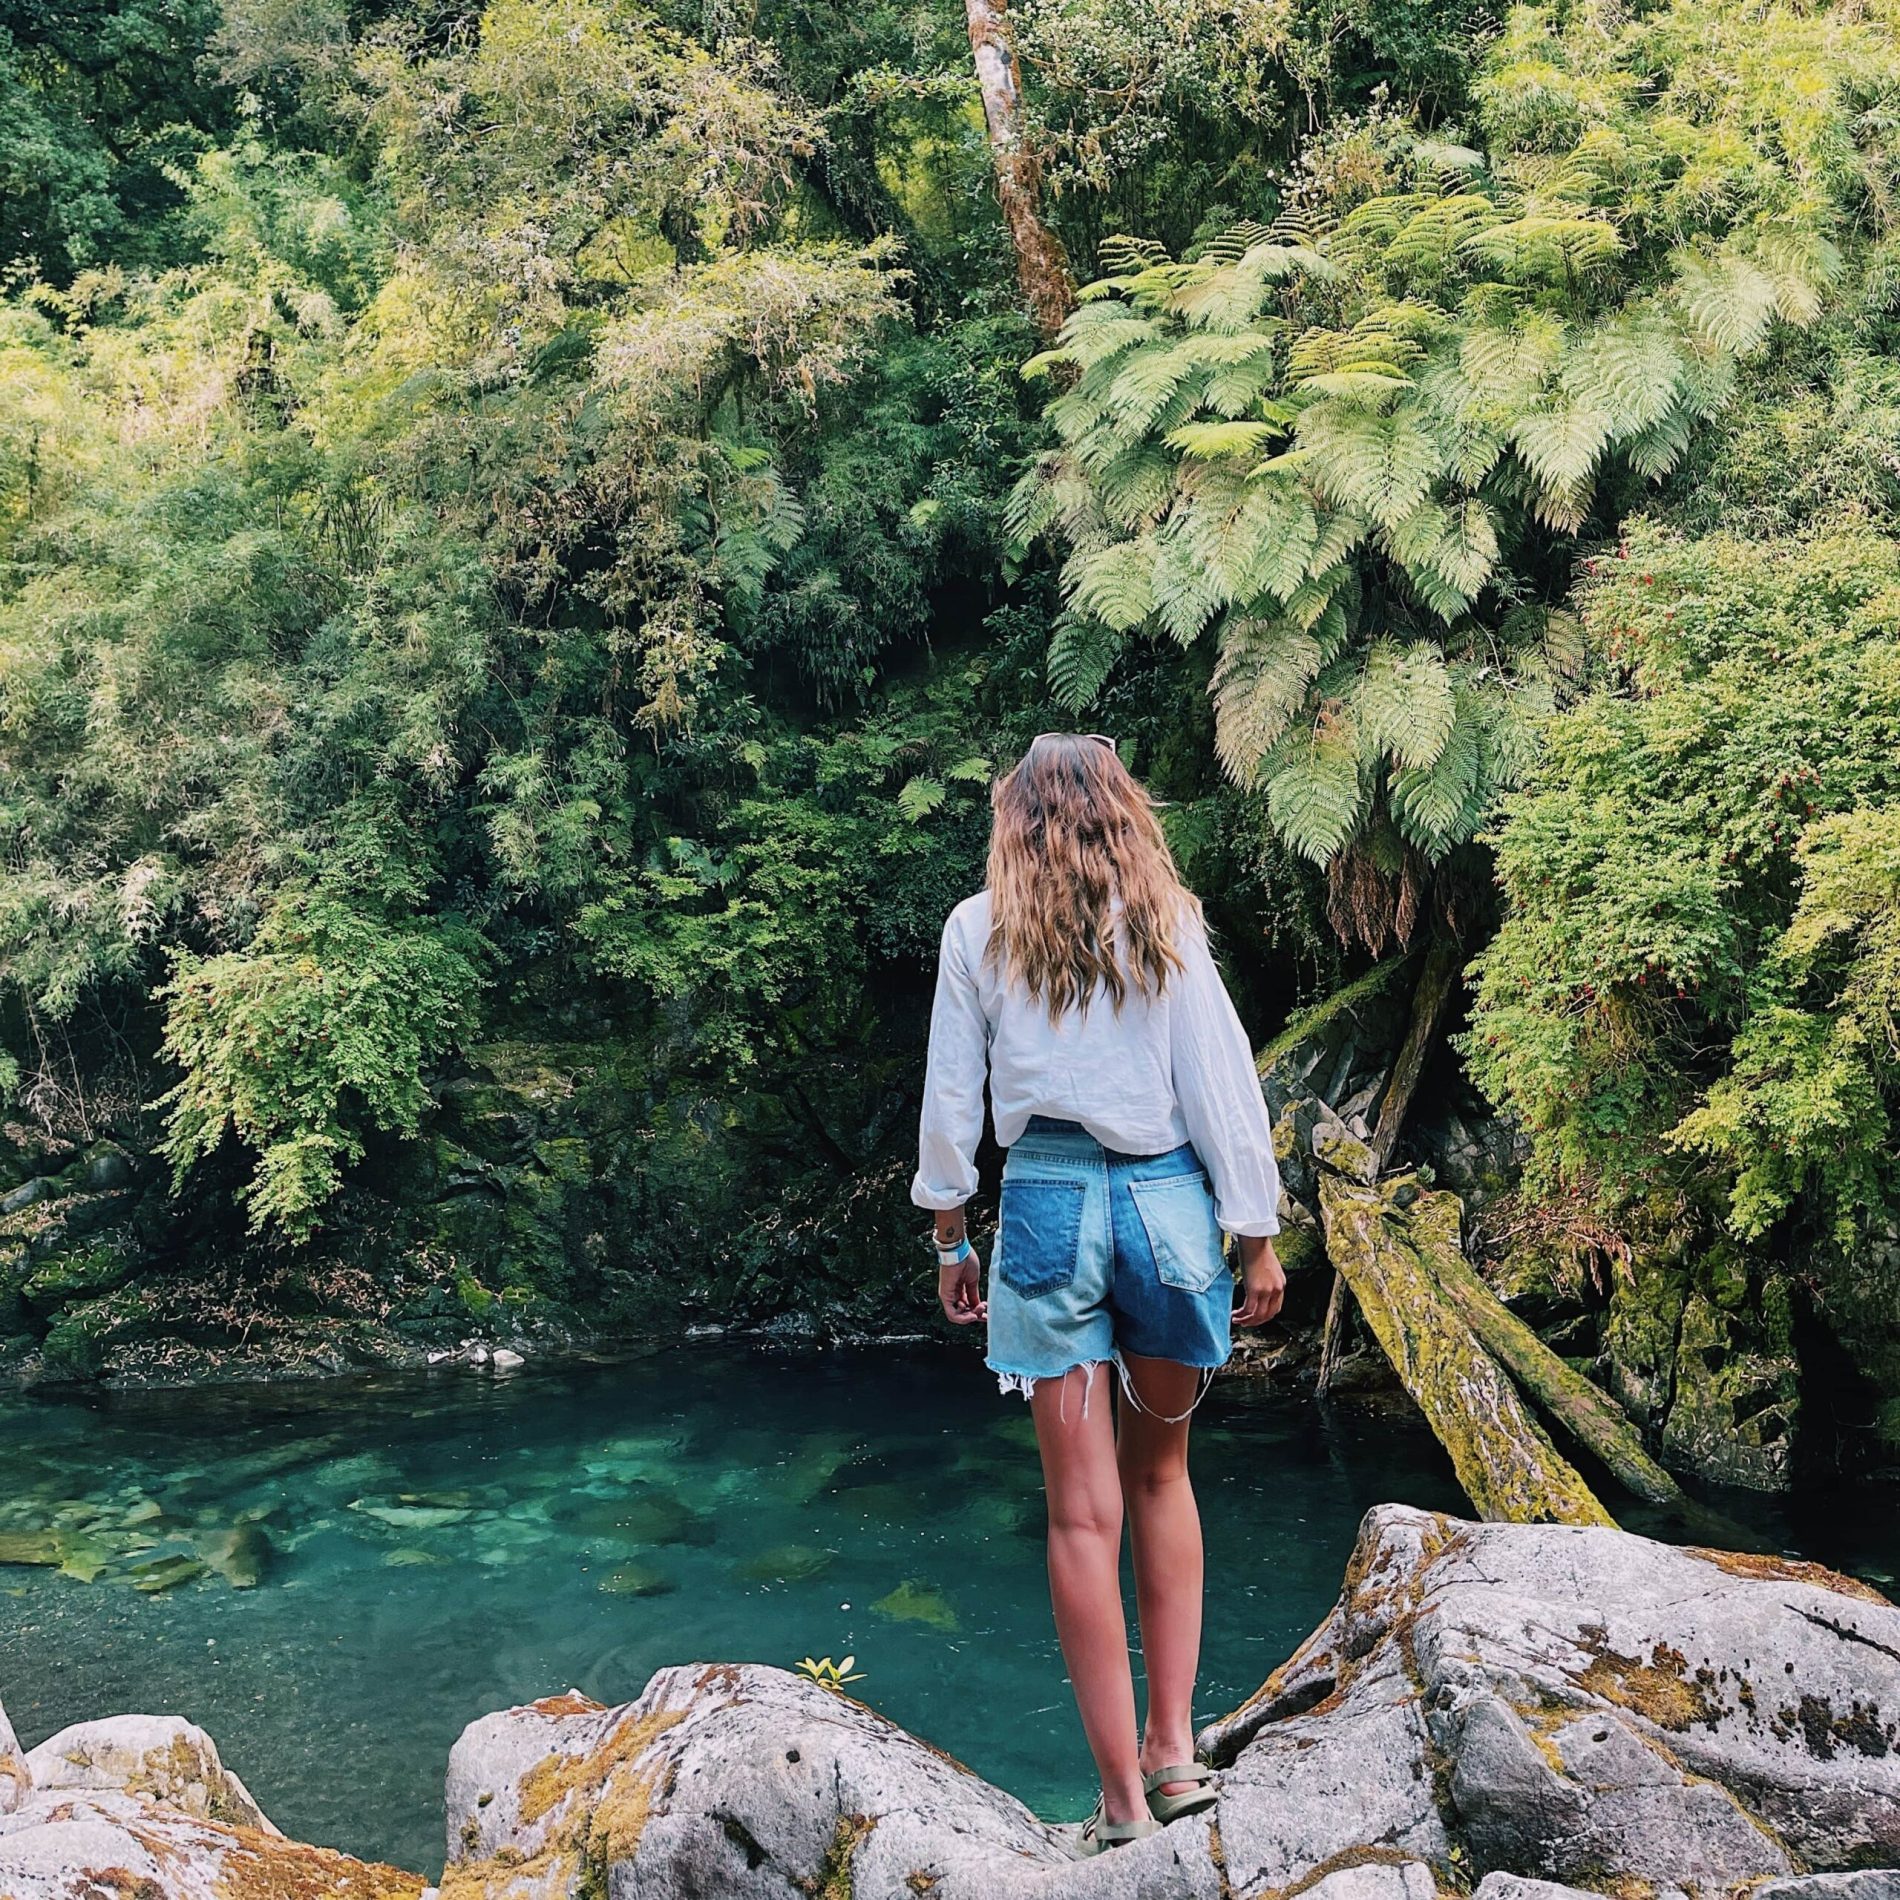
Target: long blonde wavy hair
<point x="1074" y="829"/>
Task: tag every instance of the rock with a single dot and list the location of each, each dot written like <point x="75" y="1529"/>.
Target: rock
<point x="504" y="1360"/>
<point x="158" y="1574"/>
<point x="15" y="1781"/>
<point x="1872" y="1884"/>
<point x="161" y="1758"/>
<point x="62" y="1844"/>
<point x="27" y="1194"/>
<point x="1736" y="1393"/>
<point x="240" y="1555"/>
<point x="1550" y="1706"/>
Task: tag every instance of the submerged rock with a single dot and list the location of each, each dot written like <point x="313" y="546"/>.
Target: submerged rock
<point x="914" y="1602"/>
<point x="1540" y="1707"/>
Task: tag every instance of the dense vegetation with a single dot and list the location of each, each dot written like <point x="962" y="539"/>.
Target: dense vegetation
<point x="526" y="530"/>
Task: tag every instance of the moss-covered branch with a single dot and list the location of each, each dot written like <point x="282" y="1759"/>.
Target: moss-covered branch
<point x="1588" y="1415"/>
<point x="1508" y="1466"/>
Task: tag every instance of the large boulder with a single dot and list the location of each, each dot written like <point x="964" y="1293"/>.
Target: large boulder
<point x="1570" y="1706"/>
<point x="125" y="1807"/>
<point x="163" y="1758"/>
<point x="73" y="1845"/>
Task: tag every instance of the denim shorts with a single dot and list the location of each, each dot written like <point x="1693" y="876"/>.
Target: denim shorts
<point x="1099" y="1253"/>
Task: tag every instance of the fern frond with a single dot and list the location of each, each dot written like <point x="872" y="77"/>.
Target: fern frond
<point x="1656" y="450"/>
<point x="1260" y="682"/>
<point x="1253" y="536"/>
<point x="1203" y="441"/>
<point x="920" y="797"/>
<point x="1801" y="264"/>
<point x="1560" y="446"/>
<point x="1316" y="796"/>
<point x="1134" y="487"/>
<point x="1438" y="806"/>
<point x="1405" y="704"/>
<point x="1543" y="248"/>
<point x="1507" y="368"/>
<point x="1380" y="466"/>
<point x="1082" y="654"/>
<point x="1728" y="302"/>
<point x="1629" y="368"/>
<point x="1114" y="583"/>
<point x="1187" y="596"/>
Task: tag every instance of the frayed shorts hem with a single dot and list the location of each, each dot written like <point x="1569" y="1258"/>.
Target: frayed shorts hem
<point x="1026" y="1383"/>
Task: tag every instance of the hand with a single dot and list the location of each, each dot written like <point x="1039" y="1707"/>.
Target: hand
<point x="1262" y="1281"/>
<point x="960" y="1291"/>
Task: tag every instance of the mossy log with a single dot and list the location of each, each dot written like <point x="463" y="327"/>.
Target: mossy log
<point x="1508" y="1466"/>
<point x="1590" y="1417"/>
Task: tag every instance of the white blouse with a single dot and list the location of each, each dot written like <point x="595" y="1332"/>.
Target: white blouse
<point x="1160" y="1071"/>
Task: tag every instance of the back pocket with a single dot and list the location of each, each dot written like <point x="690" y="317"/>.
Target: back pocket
<point x="1177" y="1214"/>
<point x="1038" y="1234"/>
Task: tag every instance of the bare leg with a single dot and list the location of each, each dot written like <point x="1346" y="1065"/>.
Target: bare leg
<point x="1165" y="1526"/>
<point x="1085" y="1538"/>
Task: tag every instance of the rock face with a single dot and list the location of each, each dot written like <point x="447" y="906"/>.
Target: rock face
<point x="1537" y="1704"/>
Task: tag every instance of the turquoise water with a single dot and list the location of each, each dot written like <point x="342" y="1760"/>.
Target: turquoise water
<point x="338" y="1577"/>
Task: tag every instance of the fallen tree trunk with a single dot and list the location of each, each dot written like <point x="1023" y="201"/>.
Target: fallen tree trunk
<point x="1591" y="1417"/>
<point x="1507" y="1464"/>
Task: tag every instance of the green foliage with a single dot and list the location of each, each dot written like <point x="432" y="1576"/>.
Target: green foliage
<point x="317" y="1029"/>
<point x="97" y="105"/>
<point x="1691" y="1002"/>
<point x="1340" y="446"/>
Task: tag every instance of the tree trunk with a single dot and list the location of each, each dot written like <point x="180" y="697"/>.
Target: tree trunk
<point x="1594" y="1420"/>
<point x="1435" y="984"/>
<point x="1509" y="1468"/>
<point x="1042" y="266"/>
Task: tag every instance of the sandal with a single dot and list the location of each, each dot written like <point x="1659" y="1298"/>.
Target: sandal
<point x="1171" y="1807"/>
<point x="1100" y="1834"/>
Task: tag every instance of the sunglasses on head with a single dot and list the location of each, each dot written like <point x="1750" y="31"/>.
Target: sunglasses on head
<point x="1097" y="738"/>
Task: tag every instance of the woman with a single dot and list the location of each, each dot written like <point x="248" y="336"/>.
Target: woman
<point x="1123" y="1088"/>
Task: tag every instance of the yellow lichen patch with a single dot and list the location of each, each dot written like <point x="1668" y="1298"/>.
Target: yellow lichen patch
<point x="922" y="1884"/>
<point x="833" y="1878"/>
<point x="570" y="1702"/>
<point x="1661" y="1690"/>
<point x="1744" y="1563"/>
<point x="552" y="1779"/>
<point x="551" y="1871"/>
<point x="263" y="1866"/>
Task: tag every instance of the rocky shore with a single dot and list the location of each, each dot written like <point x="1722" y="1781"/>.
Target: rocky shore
<point x="1527" y="1712"/>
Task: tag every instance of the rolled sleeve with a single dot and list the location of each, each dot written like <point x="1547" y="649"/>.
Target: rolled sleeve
<point x="1218" y="1089"/>
<point x="951" y="1124"/>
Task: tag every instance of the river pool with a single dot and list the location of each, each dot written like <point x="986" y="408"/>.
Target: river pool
<point x="337" y="1577"/>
